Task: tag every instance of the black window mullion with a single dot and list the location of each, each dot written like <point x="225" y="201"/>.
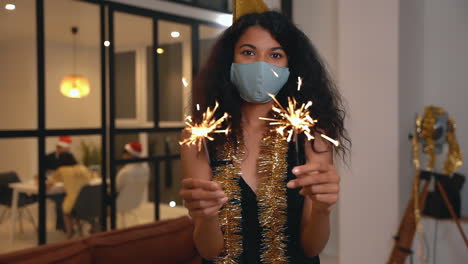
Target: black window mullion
<point x="18" y="133"/>
<point x="157" y="193"/>
<point x="113" y="169"/>
<point x="196" y="3"/>
<point x="156" y="114"/>
<point x="155" y="74"/>
<point x="195" y="49"/>
<point x="41" y="120"/>
<point x="72" y="131"/>
<point x="104" y="160"/>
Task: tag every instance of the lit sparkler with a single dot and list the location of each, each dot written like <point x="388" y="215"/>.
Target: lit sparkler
<point x="199" y="132"/>
<point x="294" y="120"/>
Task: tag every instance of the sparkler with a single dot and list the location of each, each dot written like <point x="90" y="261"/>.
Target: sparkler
<point x="200" y="132"/>
<point x="294" y="120"/>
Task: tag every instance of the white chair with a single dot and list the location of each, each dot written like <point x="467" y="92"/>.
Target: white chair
<point x="6" y="200"/>
<point x="132" y="193"/>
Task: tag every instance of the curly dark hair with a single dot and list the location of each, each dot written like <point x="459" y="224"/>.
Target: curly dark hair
<point x="213" y="82"/>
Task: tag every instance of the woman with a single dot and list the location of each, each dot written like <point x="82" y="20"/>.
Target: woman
<point x="74" y="176"/>
<point x="251" y="204"/>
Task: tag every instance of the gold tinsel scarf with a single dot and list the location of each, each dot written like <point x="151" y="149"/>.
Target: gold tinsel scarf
<point x="272" y="169"/>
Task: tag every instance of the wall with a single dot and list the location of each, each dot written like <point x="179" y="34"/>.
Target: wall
<point x="411" y="89"/>
<point x="446" y="67"/>
<point x="318" y="20"/>
<point x="19" y="155"/>
<point x="18" y="106"/>
<point x="18" y="81"/>
<point x="368" y="77"/>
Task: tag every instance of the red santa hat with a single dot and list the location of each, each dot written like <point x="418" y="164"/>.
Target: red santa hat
<point x="134" y="148"/>
<point x="64" y="141"/>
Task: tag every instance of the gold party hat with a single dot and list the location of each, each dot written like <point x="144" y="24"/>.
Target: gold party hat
<point x="242" y="7"/>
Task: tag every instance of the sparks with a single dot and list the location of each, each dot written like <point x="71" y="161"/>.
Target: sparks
<point x="294" y="120"/>
<point x="199" y="132"/>
<point x="276" y="74"/>
<point x="185" y="82"/>
<point x="334" y="142"/>
<point x="299" y="83"/>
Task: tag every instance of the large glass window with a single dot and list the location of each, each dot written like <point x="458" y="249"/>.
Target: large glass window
<point x="18" y="72"/>
<point x="72" y="49"/>
<point x="208" y="36"/>
<point x="168" y="172"/>
<point x="160" y="185"/>
<point x="18" y="176"/>
<point x="66" y="52"/>
<point x="175" y="71"/>
<point x="133" y="73"/>
<point x="85" y="209"/>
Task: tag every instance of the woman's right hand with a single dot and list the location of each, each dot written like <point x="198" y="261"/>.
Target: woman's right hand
<point x="203" y="198"/>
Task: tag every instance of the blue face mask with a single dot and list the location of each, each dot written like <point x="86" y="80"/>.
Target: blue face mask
<point x="255" y="80"/>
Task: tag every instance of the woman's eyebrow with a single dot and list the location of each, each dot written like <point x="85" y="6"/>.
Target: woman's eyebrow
<point x="248" y="45"/>
<point x="276" y="48"/>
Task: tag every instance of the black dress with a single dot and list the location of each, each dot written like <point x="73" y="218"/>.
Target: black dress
<point x="251" y="229"/>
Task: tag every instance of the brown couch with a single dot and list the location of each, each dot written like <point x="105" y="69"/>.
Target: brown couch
<point x="167" y="242"/>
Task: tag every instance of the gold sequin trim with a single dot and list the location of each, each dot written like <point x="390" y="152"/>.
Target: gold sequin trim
<point x="228" y="175"/>
<point x="272" y="198"/>
<point x="272" y="169"/>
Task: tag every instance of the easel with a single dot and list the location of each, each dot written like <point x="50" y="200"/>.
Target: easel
<point x="434" y="118"/>
<point x="406" y="231"/>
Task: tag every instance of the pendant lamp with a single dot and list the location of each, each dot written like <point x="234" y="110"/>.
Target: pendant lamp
<point x="74" y="85"/>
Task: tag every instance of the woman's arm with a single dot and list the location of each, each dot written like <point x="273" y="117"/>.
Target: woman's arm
<point x="315" y="229"/>
<point x="54" y="178"/>
<point x="319" y="184"/>
<point x="203" y="198"/>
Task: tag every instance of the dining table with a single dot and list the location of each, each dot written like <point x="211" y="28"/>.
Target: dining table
<point x="31" y="188"/>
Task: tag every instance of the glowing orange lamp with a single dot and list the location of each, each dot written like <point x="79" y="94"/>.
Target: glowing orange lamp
<point x="75" y="86"/>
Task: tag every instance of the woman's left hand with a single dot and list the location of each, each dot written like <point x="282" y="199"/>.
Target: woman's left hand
<point x="319" y="182"/>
